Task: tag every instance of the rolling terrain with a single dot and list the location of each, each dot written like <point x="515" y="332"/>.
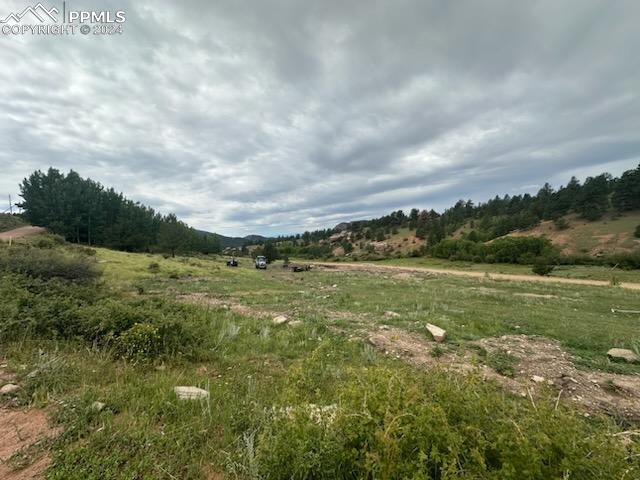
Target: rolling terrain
<point x="289" y="361"/>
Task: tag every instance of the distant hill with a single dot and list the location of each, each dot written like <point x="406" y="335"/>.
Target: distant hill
<point x="235" y="242"/>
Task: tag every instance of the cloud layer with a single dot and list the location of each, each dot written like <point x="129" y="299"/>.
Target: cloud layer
<point x="279" y="116"/>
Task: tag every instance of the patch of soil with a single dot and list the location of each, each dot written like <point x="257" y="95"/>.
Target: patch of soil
<point x="595" y="392"/>
<point x="21" y="232"/>
<point x="23" y="430"/>
<point x="535" y="295"/>
<point x="204" y="299"/>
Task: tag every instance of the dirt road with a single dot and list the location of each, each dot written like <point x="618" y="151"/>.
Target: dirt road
<point x="21" y="232"/>
<point x="368" y="267"/>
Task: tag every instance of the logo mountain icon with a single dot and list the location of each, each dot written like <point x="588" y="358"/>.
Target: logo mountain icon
<point x="38" y="11"/>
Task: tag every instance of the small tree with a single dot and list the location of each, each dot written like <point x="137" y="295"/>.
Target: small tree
<point x="270" y="252"/>
<point x="172" y="236"/>
<point x="542" y="267"/>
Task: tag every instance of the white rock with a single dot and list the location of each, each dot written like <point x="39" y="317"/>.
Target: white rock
<point x="9" y="388"/>
<point x="437" y="333"/>
<point x="98" y="406"/>
<point x="623" y="354"/>
<point x="537" y="379"/>
<point x="280" y="320"/>
<point x="391" y="314"/>
<point x="295" y="323"/>
<point x="190" y="393"/>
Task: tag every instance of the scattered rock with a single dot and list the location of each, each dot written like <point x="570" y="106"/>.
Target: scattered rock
<point x="623" y="354"/>
<point x="280" y="320"/>
<point x="98" y="406"/>
<point x="383" y="327"/>
<point x="437" y="333"/>
<point x="9" y="388"/>
<point x="334" y="286"/>
<point x="190" y="393"/>
<point x="391" y="314"/>
<point x="295" y="323"/>
<point x="537" y="379"/>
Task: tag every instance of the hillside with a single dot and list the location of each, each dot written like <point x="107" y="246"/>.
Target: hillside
<point x="235" y="242"/>
<point x="9" y="222"/>
<point x="613" y="233"/>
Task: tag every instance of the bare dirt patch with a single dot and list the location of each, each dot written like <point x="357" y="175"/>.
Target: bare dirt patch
<point x="21" y="232"/>
<point x="539" y="357"/>
<point x="535" y="295"/>
<point x="23" y="430"/>
<point x="204" y="299"/>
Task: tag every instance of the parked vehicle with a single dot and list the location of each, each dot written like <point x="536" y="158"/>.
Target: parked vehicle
<point x="261" y="262"/>
<point x="232" y="262"/>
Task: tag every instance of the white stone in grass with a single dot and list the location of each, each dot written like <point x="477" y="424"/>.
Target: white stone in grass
<point x="391" y="314"/>
<point x="537" y="379"/>
<point x="9" y="388"/>
<point x="623" y="354"/>
<point x="190" y="393"/>
<point x="98" y="406"/>
<point x="280" y="320"/>
<point x="437" y="333"/>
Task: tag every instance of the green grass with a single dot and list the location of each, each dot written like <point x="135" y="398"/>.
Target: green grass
<point x="561" y="271"/>
<point x="9" y="222"/>
<point x="391" y="420"/>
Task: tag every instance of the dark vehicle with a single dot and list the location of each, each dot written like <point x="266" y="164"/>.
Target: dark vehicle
<point x="232" y="262"/>
<point x="261" y="262"/>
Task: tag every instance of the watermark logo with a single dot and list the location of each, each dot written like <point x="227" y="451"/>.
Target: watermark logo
<point x="39" y="20"/>
<point x="39" y="12"/>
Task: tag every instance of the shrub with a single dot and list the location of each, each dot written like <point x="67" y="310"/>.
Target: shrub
<point x="154" y="267"/>
<point x="561" y="223"/>
<point x="400" y="424"/>
<point x="141" y="342"/>
<point x="47" y="264"/>
<point x="542" y="267"/>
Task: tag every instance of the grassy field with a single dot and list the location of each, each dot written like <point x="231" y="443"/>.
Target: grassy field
<point x="9" y="222"/>
<point x="560" y="271"/>
<point x="309" y="399"/>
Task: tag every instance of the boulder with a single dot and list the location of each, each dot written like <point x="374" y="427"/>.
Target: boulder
<point x="437" y="333"/>
<point x="280" y="320"/>
<point x="190" y="393"/>
<point x="9" y="388"/>
<point x="623" y="354"/>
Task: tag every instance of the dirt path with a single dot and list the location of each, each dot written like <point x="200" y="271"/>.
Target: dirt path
<point x="367" y="267"/>
<point x="21" y="232"/>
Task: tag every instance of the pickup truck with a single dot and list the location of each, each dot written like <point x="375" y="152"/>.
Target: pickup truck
<point x="261" y="262"/>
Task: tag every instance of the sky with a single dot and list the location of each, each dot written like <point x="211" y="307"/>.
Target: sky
<point x="280" y="116"/>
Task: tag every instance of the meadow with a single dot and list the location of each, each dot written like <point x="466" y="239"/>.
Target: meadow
<point x="314" y="396"/>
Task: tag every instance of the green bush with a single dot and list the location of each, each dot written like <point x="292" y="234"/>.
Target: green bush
<point x="502" y="250"/>
<point x="154" y="267"/>
<point x="141" y="342"/>
<point x="542" y="267"/>
<point x="46" y="264"/>
<point x="402" y="424"/>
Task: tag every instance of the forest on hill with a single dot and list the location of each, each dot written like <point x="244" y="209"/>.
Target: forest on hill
<point x="485" y="221"/>
<point x="83" y="211"/>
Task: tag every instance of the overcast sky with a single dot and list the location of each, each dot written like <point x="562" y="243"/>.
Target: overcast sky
<point x="273" y="116"/>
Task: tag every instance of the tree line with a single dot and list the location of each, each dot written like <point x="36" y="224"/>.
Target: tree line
<point x="83" y="211"/>
<point x="500" y="215"/>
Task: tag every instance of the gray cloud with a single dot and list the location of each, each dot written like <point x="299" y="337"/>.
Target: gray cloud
<point x="279" y="116"/>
